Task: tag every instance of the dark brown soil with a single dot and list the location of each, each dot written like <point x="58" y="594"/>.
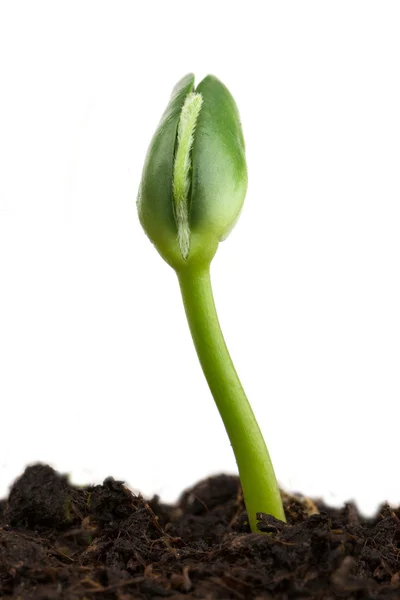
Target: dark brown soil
<point x="58" y="541"/>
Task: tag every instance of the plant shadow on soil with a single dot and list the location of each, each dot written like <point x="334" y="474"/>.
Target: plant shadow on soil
<point x="102" y="542"/>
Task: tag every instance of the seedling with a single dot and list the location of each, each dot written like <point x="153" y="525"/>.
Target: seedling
<point x="192" y="191"/>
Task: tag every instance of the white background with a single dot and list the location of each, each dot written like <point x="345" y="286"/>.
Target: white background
<point x="98" y="375"/>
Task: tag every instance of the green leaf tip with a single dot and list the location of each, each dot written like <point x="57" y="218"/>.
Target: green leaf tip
<point x="194" y="179"/>
<point x="183" y="166"/>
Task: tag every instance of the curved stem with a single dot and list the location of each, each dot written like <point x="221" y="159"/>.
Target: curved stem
<point x="260" y="488"/>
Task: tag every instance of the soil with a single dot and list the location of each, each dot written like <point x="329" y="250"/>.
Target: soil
<point x="59" y="541"/>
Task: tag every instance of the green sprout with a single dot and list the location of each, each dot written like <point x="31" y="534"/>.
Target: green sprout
<point x="192" y="190"/>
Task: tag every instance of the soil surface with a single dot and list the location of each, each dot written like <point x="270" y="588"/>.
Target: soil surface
<point x="58" y="541"/>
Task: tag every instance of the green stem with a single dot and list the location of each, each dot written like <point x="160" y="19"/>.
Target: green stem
<point x="260" y="488"/>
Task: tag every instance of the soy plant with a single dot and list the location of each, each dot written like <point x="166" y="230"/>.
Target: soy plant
<point x="192" y="190"/>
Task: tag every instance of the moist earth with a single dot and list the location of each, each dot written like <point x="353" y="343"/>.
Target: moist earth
<point x="102" y="542"/>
